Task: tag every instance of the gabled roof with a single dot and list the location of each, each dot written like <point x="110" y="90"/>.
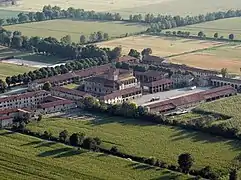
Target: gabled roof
<point x="158" y="82"/>
<point x="125" y="59"/>
<point x="70" y="91"/>
<point x="56" y="103"/>
<point x="24" y="95"/>
<point x="236" y="81"/>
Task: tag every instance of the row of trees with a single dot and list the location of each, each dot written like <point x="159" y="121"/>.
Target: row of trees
<point x="55" y="12"/>
<point x="161" y="22"/>
<point x="52" y="71"/>
<point x="51" y="46"/>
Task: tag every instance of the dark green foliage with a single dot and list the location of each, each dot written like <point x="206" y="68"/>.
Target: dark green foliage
<point x="89" y="143"/>
<point x="233" y="175"/>
<point x="114" y="150"/>
<point x="63" y="136"/>
<point x="185" y="162"/>
<point x="47" y="86"/>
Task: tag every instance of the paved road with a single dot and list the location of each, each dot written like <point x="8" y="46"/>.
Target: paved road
<point x="144" y="100"/>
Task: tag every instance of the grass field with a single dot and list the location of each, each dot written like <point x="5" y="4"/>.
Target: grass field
<point x="161" y="46"/>
<point x="229" y="106"/>
<point x="223" y="27"/>
<point x="8" y="13"/>
<point x="60" y="28"/>
<point x="142" y="139"/>
<point x="180" y="7"/>
<point x="25" y="157"/>
<point x="12" y="69"/>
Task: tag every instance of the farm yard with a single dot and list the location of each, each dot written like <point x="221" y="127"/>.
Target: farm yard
<point x="125" y="7"/>
<point x="146" y="139"/>
<point x="223" y="27"/>
<point x="161" y="46"/>
<point x="25" y="157"/>
<point x="60" y="28"/>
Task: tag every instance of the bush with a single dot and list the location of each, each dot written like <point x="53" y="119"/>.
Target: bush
<point x="114" y="150"/>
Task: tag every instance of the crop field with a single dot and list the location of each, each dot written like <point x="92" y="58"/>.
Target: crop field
<point x="60" y="28"/>
<point x="161" y="46"/>
<point x="213" y="58"/>
<point x="223" y="27"/>
<point x="25" y="157"/>
<point x="180" y="7"/>
<point x="146" y="139"/>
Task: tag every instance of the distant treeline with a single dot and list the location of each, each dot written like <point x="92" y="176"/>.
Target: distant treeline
<point x="157" y="22"/>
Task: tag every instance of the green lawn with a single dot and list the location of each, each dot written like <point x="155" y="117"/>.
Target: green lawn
<point x="71" y="86"/>
<point x="75" y="28"/>
<point x="12" y="69"/>
<point x="25" y="157"/>
<point x="142" y="139"/>
<point x="223" y="27"/>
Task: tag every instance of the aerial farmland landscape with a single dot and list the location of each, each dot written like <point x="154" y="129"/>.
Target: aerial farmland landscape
<point x="117" y="89"/>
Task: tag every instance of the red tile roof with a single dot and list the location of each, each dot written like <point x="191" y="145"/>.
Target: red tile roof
<point x="24" y="95"/>
<point x="56" y="103"/>
<point x="228" y="80"/>
<point x="6" y="111"/>
<point x="2" y="118"/>
<point x="158" y="82"/>
<point x="120" y="93"/>
<point x="70" y="91"/>
<point x="191" y="98"/>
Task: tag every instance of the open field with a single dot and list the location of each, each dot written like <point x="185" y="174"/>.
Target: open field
<point x="25" y="157"/>
<point x="223" y="27"/>
<point x="8" y="13"/>
<point x="213" y="58"/>
<point x="177" y="7"/>
<point x="161" y="46"/>
<point x="146" y="139"/>
<point x="12" y="69"/>
<point x="60" y="28"/>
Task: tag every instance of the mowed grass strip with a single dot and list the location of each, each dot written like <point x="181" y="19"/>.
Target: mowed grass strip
<point x="25" y="157"/>
<point x="145" y="139"/>
<point x="223" y="27"/>
<point x="75" y="28"/>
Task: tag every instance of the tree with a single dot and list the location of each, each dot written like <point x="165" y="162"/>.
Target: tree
<point x="99" y="36"/>
<point x="146" y="51"/>
<point x="185" y="162"/>
<point x="106" y="36"/>
<point x="233" y="175"/>
<point x="39" y="117"/>
<point x="134" y="53"/>
<point x="74" y="139"/>
<point x="215" y="35"/>
<point x="90" y="143"/>
<point x="63" y="135"/>
<point x="117" y="52"/>
<point x="82" y="39"/>
<point x="47" y="86"/>
<point x="200" y="34"/>
<point x="231" y="36"/>
<point x="114" y="150"/>
<point x="8" y="81"/>
<point x="97" y="140"/>
<point x="66" y="39"/>
<point x="2" y="21"/>
<point x="3" y="86"/>
<point x="224" y="72"/>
